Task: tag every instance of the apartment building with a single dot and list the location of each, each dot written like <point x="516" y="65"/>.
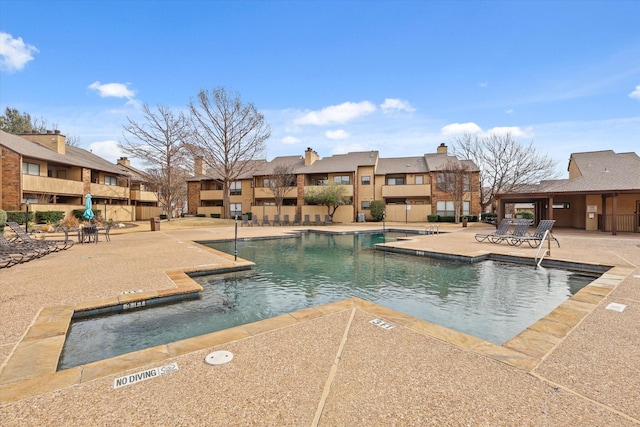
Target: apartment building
<point x="42" y="170"/>
<point x="411" y="187"/>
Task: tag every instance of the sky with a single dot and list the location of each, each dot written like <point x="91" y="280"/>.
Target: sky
<point x="400" y="77"/>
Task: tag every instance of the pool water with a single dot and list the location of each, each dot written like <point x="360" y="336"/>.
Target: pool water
<point x="491" y="300"/>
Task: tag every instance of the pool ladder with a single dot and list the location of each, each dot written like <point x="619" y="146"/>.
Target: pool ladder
<point x="544" y="252"/>
<point x="432" y="229"/>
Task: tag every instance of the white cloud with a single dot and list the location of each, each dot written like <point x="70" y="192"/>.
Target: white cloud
<point x="515" y="131"/>
<point x="14" y="53"/>
<point x="116" y="90"/>
<point x="344" y="149"/>
<point x="509" y="111"/>
<point x="108" y="150"/>
<point x="391" y="104"/>
<point x="460" y="129"/>
<point x="290" y="140"/>
<point x="337" y="134"/>
<point x="483" y="84"/>
<point x="636" y="93"/>
<point x="342" y="113"/>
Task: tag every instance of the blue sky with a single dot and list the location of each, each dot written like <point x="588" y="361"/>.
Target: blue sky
<point x="399" y="77"/>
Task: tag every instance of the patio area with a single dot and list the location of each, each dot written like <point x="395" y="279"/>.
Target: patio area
<point x="326" y="366"/>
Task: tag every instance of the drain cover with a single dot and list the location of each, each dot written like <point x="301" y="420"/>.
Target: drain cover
<point x="219" y="357"/>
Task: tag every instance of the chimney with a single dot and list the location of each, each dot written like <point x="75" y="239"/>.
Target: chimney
<point x="53" y="140"/>
<point x="124" y="161"/>
<point x="442" y="149"/>
<point x="198" y="166"/>
<point x="310" y="156"/>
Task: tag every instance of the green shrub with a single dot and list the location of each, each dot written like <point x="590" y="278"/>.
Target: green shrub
<point x="163" y="216"/>
<point x="18" y="216"/>
<point x="433" y="218"/>
<point x="377" y="210"/>
<point x="249" y="215"/>
<point x="49" y="216"/>
<point x="525" y="214"/>
<point x="470" y="218"/>
<point x="212" y="215"/>
<point x="447" y="219"/>
<point x="79" y="213"/>
<point x="3" y="220"/>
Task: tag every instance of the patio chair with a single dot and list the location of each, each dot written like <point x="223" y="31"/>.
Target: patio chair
<point x="88" y="233"/>
<point x="296" y="220"/>
<point x="501" y="230"/>
<point x="276" y="220"/>
<point x="21" y="251"/>
<point x="521" y="229"/>
<point x="307" y="220"/>
<point x="286" y="220"/>
<point x="536" y="238"/>
<point x="254" y="221"/>
<point x="106" y="230"/>
<point x="265" y="220"/>
<point x="318" y="220"/>
<point x="52" y="245"/>
<point x="245" y="220"/>
<point x="328" y="220"/>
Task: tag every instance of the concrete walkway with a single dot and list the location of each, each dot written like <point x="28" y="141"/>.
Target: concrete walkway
<point x="329" y="365"/>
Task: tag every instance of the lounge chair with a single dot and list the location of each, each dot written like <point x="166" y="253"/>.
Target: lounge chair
<point x="21" y="251"/>
<point x="501" y="230"/>
<point x="254" y="221"/>
<point x="521" y="229"/>
<point x="265" y="220"/>
<point x="276" y="220"/>
<point x="245" y="220"/>
<point x="318" y="220"/>
<point x="328" y="220"/>
<point x="536" y="238"/>
<point x="307" y="220"/>
<point x="53" y="245"/>
<point x="296" y="220"/>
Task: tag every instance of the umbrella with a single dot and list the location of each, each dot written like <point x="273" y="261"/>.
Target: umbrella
<point x="88" y="213"/>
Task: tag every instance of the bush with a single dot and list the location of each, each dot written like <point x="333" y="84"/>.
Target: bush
<point x="447" y="219"/>
<point x="249" y="215"/>
<point x="377" y="210"/>
<point x="79" y="213"/>
<point x="18" y="216"/>
<point x="490" y="217"/>
<point x="525" y="214"/>
<point x="433" y="218"/>
<point x="3" y="220"/>
<point x="49" y="216"/>
<point x="212" y="215"/>
<point x="163" y="216"/>
<point x="470" y="218"/>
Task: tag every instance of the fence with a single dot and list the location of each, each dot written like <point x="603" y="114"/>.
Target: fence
<point x="624" y="222"/>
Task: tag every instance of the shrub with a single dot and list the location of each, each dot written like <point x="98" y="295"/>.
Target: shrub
<point x="70" y="222"/>
<point x="212" y="215"/>
<point x="49" y="216"/>
<point x="163" y="216"/>
<point x="433" y="218"/>
<point x="249" y="215"/>
<point x="18" y="216"/>
<point x="447" y="219"/>
<point x="377" y="210"/>
<point x="525" y="214"/>
<point x="79" y="213"/>
<point x="3" y="220"/>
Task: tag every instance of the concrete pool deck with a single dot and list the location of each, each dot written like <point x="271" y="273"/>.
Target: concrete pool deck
<point x="322" y="366"/>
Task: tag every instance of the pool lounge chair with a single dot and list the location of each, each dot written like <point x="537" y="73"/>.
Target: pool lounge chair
<point x="307" y="220"/>
<point x="536" y="238"/>
<point x="265" y="220"/>
<point x="296" y="220"/>
<point x="276" y="220"/>
<point x="52" y="245"/>
<point x="245" y="220"/>
<point x="328" y="220"/>
<point x="254" y="221"/>
<point x="318" y="220"/>
<point x="286" y="220"/>
<point x="501" y="230"/>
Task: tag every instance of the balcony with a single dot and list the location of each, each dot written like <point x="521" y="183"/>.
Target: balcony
<point x="266" y="193"/>
<point x="415" y="190"/>
<point x="144" y="196"/>
<point x="308" y="188"/>
<point x="43" y="184"/>
<point x="211" y="195"/>
<point x="110" y="191"/>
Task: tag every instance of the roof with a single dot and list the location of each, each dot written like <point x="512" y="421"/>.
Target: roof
<point x="601" y="171"/>
<point x="440" y="162"/>
<point x="402" y="165"/>
<point x="73" y="156"/>
<point x="342" y="163"/>
<point x="248" y="173"/>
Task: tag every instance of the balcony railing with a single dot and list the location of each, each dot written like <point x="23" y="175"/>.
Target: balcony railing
<point x="308" y="188"/>
<point x="211" y="195"/>
<point x="415" y="190"/>
<point x="111" y="191"/>
<point x="43" y="184"/>
<point x="144" y="196"/>
<point x="624" y="222"/>
<point x="266" y="193"/>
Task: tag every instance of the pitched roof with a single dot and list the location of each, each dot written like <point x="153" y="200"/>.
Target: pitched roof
<point x="402" y="165"/>
<point x="440" y="162"/>
<point x="73" y="156"/>
<point x="342" y="162"/>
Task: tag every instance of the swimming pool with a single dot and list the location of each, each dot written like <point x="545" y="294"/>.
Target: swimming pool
<point x="492" y="300"/>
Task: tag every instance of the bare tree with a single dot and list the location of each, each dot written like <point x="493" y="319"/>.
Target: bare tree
<point x="505" y="165"/>
<point x="228" y="135"/>
<point x="159" y="143"/>
<point x="280" y="181"/>
<point x="455" y="180"/>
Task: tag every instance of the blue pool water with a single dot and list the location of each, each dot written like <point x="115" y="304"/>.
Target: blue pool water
<point x="491" y="300"/>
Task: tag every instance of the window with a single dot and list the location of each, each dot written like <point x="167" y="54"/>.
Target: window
<point x="235" y="188"/>
<point x="466" y="183"/>
<point x="561" y="206"/>
<point x="344" y="179"/>
<point x="31" y="169"/>
<point x="466" y="207"/>
<point x="419" y="179"/>
<point x="445" y="208"/>
<point x="236" y="209"/>
<point x="445" y="181"/>
<point x="366" y="180"/>
<point x="395" y="181"/>
<point x="365" y="205"/>
<point x="266" y="183"/>
<point x="110" y="180"/>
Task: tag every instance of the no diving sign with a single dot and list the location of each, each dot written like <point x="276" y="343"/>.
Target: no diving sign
<point x="144" y="375"/>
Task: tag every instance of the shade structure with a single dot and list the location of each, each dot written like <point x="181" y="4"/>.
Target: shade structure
<point x="88" y="213"/>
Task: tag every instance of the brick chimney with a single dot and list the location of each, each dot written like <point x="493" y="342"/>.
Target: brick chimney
<point x="310" y="156"/>
<point x="198" y="166"/>
<point x="442" y="149"/>
<point x="124" y="161"/>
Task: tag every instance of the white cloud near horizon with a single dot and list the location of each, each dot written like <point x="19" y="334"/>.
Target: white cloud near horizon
<point x="460" y="129"/>
<point x="288" y="140"/>
<point x="455" y="129"/>
<point x="115" y="90"/>
<point x="336" y="114"/>
<point x="337" y="134"/>
<point x="14" y="53"/>
<point x="636" y="93"/>
<point x="108" y="150"/>
<point x="392" y="104"/>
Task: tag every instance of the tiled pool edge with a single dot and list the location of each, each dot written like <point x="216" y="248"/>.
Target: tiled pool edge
<point x="46" y="336"/>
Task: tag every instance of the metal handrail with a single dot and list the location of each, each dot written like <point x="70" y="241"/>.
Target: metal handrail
<point x="544" y="237"/>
